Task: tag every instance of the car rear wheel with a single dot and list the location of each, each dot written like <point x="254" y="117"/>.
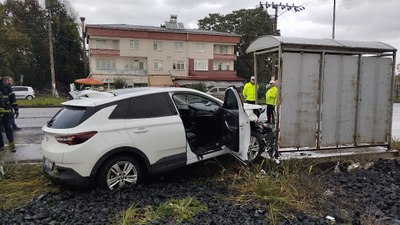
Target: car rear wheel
<point x="255" y="147"/>
<point x="29" y="97"/>
<point x="118" y="172"/>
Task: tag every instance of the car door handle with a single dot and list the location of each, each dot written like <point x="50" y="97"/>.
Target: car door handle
<point x="140" y="130"/>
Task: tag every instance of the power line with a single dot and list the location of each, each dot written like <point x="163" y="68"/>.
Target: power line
<point x="276" y="7"/>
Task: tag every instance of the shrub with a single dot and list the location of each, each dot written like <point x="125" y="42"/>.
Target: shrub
<point x="119" y="83"/>
<point x="200" y="87"/>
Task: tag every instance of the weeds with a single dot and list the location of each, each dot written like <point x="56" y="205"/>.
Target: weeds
<point x="395" y="144"/>
<point x="284" y="189"/>
<point x="21" y="184"/>
<point x="175" y="210"/>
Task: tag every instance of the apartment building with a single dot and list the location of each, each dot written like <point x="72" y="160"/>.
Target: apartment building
<point x="161" y="56"/>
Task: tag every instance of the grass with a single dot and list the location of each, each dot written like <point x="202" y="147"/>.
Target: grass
<point x="175" y="210"/>
<point x="41" y="101"/>
<point x="284" y="189"/>
<point x="395" y="144"/>
<point x="21" y="184"/>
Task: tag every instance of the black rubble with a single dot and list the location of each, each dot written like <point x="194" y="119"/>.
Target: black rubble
<point x="375" y="191"/>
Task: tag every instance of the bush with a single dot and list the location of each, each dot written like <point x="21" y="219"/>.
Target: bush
<point x="200" y="87"/>
<point x="119" y="83"/>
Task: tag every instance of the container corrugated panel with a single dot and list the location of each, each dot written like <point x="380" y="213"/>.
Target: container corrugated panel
<point x="299" y="102"/>
<point x="339" y="100"/>
<point x="375" y="84"/>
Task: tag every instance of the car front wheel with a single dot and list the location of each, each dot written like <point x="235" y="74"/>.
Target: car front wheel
<point x="29" y="97"/>
<point x="255" y="147"/>
<point x="118" y="172"/>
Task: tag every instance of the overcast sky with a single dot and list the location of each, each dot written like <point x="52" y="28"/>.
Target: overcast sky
<point x="366" y="20"/>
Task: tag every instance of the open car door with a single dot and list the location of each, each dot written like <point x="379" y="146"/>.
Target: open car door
<point x="236" y="125"/>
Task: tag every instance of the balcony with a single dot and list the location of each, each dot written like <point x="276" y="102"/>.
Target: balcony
<point x="125" y="72"/>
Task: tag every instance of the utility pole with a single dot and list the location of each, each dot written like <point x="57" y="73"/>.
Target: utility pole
<point x="334" y="19"/>
<point x="275" y="31"/>
<point x="83" y="45"/>
<point x="53" y="74"/>
<point x="275" y="6"/>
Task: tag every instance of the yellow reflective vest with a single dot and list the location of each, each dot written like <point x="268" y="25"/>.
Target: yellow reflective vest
<point x="270" y="95"/>
<point x="249" y="91"/>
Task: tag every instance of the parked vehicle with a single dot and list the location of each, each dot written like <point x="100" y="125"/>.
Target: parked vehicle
<point x="114" y="138"/>
<point x="23" y="92"/>
<point x="217" y="91"/>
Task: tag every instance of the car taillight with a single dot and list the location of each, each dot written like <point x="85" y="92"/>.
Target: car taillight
<point x="75" y="139"/>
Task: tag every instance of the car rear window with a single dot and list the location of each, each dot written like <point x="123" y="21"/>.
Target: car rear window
<point x="68" y="117"/>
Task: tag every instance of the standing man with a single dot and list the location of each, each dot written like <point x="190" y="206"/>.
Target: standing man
<point x="249" y="91"/>
<point x="270" y="99"/>
<point x="10" y="82"/>
<point x="6" y="120"/>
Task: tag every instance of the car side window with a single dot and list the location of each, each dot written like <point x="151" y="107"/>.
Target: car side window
<point x="150" y="106"/>
<point x="186" y="101"/>
<point x="120" y="110"/>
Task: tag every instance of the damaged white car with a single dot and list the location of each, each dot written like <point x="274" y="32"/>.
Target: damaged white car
<point x="112" y="139"/>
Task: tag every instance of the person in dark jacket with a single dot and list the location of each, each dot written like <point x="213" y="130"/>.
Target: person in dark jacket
<point x="9" y="104"/>
<point x="10" y="81"/>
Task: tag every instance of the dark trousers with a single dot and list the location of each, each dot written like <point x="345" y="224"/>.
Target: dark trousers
<point x="250" y="102"/>
<point x="6" y="123"/>
<point x="270" y="114"/>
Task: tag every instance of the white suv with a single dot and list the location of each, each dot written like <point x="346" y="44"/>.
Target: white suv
<point x="115" y="138"/>
<point x="23" y="92"/>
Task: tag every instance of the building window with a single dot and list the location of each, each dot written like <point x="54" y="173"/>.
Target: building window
<point x="158" y="65"/>
<point x="115" y="44"/>
<point x="157" y="46"/>
<point x="178" y="46"/>
<point x="221" y="49"/>
<point x="178" y="65"/>
<point x="222" y="66"/>
<point x="134" y="64"/>
<point x="105" y="64"/>
<point x="101" y="44"/>
<point x="201" y="64"/>
<point x="134" y="44"/>
<point x="201" y="47"/>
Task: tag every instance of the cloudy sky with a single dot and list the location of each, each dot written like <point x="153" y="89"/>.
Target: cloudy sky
<point x="366" y="20"/>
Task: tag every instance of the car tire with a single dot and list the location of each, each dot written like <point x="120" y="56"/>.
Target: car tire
<point x="118" y="172"/>
<point x="29" y="97"/>
<point x="255" y="147"/>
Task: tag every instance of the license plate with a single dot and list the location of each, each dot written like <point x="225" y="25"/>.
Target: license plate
<point x="49" y="164"/>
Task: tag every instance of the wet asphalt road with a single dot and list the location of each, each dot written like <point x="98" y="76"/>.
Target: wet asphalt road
<point x="28" y="140"/>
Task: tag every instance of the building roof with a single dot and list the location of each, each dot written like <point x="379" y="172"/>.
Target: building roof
<point x="158" y="29"/>
<point x="271" y="42"/>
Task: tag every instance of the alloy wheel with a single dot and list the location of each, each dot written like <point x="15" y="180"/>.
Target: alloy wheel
<point x="120" y="174"/>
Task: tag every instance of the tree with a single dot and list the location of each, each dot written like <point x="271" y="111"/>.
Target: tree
<point x="13" y="46"/>
<point x="24" y="47"/>
<point x="250" y="24"/>
<point x="28" y="17"/>
<point x="67" y="44"/>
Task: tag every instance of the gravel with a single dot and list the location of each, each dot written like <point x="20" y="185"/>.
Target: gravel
<point x="354" y="196"/>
